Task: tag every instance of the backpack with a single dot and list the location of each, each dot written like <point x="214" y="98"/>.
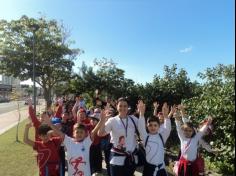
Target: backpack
<point x="141" y="153"/>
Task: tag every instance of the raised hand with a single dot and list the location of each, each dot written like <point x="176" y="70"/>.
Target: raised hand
<point x="181" y="107"/>
<point x="173" y="110"/>
<point x="97" y="91"/>
<point x="156" y="104"/>
<point x="103" y="115"/>
<point x="165" y="110"/>
<point x="60" y="102"/>
<point x="141" y="108"/>
<point x="177" y="116"/>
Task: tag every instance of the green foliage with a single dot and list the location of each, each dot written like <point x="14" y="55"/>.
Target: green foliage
<point x="53" y="56"/>
<point x="171" y="88"/>
<point x="107" y="78"/>
<point x="217" y="98"/>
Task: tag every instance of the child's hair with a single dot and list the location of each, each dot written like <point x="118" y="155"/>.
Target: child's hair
<point x="123" y="99"/>
<point x="43" y="129"/>
<point x="79" y="126"/>
<point x="153" y="119"/>
<point x="189" y="125"/>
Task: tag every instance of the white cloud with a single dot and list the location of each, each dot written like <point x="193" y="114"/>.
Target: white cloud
<point x="186" y="50"/>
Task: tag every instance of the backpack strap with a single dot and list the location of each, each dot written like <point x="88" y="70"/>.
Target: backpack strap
<point x="162" y="140"/>
<point x="146" y="141"/>
<point x="136" y="129"/>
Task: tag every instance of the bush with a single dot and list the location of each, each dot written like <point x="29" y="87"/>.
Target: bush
<point x="217" y="98"/>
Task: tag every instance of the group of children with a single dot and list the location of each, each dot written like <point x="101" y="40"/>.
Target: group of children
<point x="74" y="138"/>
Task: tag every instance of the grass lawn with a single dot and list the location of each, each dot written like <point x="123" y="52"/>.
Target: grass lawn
<point x="16" y="158"/>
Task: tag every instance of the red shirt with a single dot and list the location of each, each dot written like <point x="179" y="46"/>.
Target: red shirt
<point x="35" y="122"/>
<point x="48" y="156"/>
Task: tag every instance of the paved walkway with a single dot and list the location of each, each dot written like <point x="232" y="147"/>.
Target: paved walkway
<point x="10" y="119"/>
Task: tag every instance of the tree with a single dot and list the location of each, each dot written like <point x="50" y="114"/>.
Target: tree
<point x="53" y="57"/>
<point x="217" y="98"/>
<point x="107" y="78"/>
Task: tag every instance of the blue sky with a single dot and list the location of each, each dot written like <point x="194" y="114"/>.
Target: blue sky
<point x="142" y="35"/>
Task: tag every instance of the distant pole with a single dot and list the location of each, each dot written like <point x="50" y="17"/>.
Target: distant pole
<point x="34" y="28"/>
<point x="34" y="86"/>
<point x="18" y="122"/>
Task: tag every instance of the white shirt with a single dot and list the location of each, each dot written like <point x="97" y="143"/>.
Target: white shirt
<point x="117" y="130"/>
<point x="155" y="148"/>
<point x="78" y="156"/>
<point x="191" y="153"/>
<point x="202" y="143"/>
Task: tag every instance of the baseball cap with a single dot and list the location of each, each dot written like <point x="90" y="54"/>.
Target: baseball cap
<point x="56" y="120"/>
<point x="95" y="116"/>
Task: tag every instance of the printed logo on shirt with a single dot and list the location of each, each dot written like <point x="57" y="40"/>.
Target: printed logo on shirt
<point x="121" y="143"/>
<point x="76" y="163"/>
<point x="43" y="156"/>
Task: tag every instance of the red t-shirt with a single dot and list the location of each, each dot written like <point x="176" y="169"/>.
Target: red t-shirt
<point x="35" y="122"/>
<point x="87" y="124"/>
<point x="48" y="156"/>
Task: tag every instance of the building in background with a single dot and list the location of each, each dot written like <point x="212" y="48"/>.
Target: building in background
<point x="7" y="84"/>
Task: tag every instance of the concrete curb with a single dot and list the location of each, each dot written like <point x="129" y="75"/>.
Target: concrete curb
<point x="10" y="119"/>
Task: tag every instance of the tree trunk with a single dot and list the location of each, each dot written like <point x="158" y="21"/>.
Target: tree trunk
<point x="47" y="97"/>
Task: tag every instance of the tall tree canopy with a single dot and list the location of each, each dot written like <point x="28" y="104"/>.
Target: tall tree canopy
<point x="54" y="58"/>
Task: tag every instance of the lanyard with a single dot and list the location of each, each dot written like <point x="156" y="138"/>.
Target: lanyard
<point x="125" y="126"/>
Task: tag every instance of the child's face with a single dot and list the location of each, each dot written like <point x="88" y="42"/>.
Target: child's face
<point x="65" y="116"/>
<point x="153" y="127"/>
<point x="81" y="116"/>
<point x="188" y="132"/>
<point x="44" y="138"/>
<point x="94" y="122"/>
<point x="79" y="134"/>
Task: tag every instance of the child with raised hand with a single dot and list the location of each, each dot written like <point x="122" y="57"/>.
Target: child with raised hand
<point x="189" y="139"/>
<point x="202" y="142"/>
<point x="47" y="149"/>
<point x="78" y="147"/>
<point x="154" y="142"/>
<point x="162" y="115"/>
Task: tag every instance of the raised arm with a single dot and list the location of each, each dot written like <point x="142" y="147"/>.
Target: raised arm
<point x="155" y="105"/>
<point x="26" y="135"/>
<point x="205" y="145"/>
<point x="102" y="130"/>
<point x="54" y="128"/>
<point x="202" y="131"/>
<point x="178" y="125"/>
<point x="99" y="125"/>
<point x="74" y="110"/>
<point x="60" y="108"/>
<point x="141" y="122"/>
<point x="185" y="118"/>
<point x="32" y="115"/>
<point x="167" y="123"/>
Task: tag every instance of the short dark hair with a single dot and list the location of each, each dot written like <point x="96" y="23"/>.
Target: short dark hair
<point x="153" y="119"/>
<point x="79" y="126"/>
<point x="43" y="129"/>
<point x="123" y="99"/>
